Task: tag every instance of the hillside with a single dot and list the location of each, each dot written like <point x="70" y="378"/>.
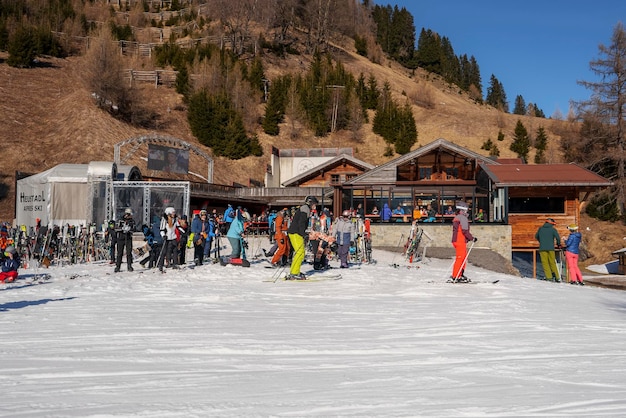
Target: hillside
<point x="49" y="117"/>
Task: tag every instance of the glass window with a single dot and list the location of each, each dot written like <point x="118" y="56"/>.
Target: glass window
<point x="537" y="205"/>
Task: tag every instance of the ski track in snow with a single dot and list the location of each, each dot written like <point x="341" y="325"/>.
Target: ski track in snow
<point x="382" y="341"/>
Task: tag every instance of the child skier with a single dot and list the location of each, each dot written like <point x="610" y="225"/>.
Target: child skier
<point x="10" y="264"/>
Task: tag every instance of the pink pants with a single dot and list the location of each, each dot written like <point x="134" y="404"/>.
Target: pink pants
<point x="572" y="267"/>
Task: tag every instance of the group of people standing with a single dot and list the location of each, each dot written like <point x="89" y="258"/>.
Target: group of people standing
<point x="549" y="238"/>
<point x="293" y="230"/>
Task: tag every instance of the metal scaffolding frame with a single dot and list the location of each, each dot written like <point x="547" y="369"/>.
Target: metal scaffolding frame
<point x="160" y="139"/>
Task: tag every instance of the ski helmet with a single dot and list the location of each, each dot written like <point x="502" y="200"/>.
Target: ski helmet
<point x="346" y="213"/>
<point x="10" y="249"/>
<point x="460" y="205"/>
<point x="310" y="200"/>
<point x="170" y="211"/>
<point x="128" y="211"/>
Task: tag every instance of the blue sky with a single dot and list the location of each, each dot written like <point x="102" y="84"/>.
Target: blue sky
<point x="538" y="49"/>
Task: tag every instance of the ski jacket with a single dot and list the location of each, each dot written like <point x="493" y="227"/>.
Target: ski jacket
<point x="271" y="222"/>
<point x="125" y="227"/>
<point x="156" y="231"/>
<point x="460" y="226"/>
<point x="300" y="221"/>
<point x="168" y="231"/>
<point x="548" y="237"/>
<point x="10" y="264"/>
<point x="386" y="215"/>
<point x="198" y="227"/>
<point x="229" y="215"/>
<point x="343" y="231"/>
<point x="572" y="243"/>
<point x="236" y="227"/>
<point x="281" y="227"/>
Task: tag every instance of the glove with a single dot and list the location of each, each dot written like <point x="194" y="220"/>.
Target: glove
<point x="475" y="239"/>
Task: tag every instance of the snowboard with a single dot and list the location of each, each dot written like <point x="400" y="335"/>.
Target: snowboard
<point x="224" y="261"/>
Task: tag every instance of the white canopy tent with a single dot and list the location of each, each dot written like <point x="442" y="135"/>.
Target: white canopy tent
<point x="84" y="194"/>
<point x="56" y="196"/>
<point x="74" y="194"/>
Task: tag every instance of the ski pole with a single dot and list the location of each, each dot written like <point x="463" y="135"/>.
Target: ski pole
<point x="459" y="273"/>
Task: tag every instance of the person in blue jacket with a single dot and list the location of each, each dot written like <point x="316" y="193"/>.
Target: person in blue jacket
<point x="229" y="216"/>
<point x="235" y="234"/>
<point x="572" y="249"/>
<point x="202" y="231"/>
<point x="9" y="264"/>
<point x="386" y="213"/>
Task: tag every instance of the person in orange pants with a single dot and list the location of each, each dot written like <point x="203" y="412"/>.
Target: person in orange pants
<point x="282" y="240"/>
<point x="461" y="235"/>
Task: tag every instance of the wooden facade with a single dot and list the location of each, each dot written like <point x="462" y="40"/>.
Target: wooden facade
<point x="441" y="173"/>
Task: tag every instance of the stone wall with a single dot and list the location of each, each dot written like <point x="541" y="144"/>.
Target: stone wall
<point x="494" y="237"/>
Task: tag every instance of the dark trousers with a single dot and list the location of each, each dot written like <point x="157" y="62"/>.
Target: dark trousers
<point x="198" y="251"/>
<point x="169" y="252"/>
<point x="124" y="241"/>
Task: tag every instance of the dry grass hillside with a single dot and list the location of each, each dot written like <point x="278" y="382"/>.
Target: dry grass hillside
<point x="49" y="117"/>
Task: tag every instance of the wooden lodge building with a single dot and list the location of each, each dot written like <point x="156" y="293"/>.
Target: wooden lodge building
<point x="516" y="195"/>
<point x="514" y="198"/>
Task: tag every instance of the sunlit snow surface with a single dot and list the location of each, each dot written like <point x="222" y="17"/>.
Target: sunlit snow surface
<point x="382" y="341"/>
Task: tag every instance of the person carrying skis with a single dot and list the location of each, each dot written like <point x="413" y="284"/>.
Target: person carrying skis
<point x="548" y="238"/>
<point x="201" y="229"/>
<point x="572" y="244"/>
<point x="281" y="223"/>
<point x="297" y="233"/>
<point x="343" y="231"/>
<point x="10" y="263"/>
<point x="124" y="230"/>
<point x="461" y="235"/>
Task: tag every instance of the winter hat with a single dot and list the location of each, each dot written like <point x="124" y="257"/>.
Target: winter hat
<point x="460" y="205"/>
<point x="551" y="221"/>
<point x="572" y="227"/>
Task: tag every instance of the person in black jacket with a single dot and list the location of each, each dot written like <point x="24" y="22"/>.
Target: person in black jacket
<point x="124" y="230"/>
<point x="297" y="232"/>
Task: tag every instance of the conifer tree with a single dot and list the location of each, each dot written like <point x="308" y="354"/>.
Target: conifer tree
<point x="496" y="96"/>
<point x="521" y="141"/>
<point x="22" y="48"/>
<point x="405" y="130"/>
<point x="541" y="144"/>
<point x="520" y="106"/>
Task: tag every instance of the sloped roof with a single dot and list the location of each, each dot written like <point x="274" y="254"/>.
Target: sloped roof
<point x="66" y="173"/>
<point x="390" y="166"/>
<point x="340" y="159"/>
<point x="525" y="175"/>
